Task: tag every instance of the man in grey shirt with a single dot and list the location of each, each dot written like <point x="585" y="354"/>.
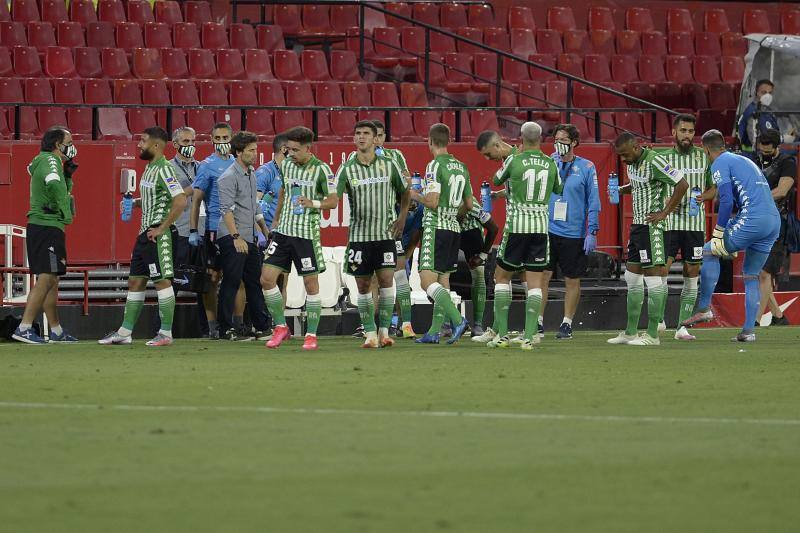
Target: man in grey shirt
<point x="238" y="249"/>
<point x="183" y="139"/>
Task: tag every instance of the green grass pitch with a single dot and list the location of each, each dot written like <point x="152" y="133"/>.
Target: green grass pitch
<point x="576" y="436"/>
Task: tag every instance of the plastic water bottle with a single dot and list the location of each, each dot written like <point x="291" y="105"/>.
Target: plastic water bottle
<point x="613" y="188"/>
<point x="127" y="207"/>
<point x="298" y="209"/>
<point x="379" y="150"/>
<point x="416" y="181"/>
<point x="486" y="197"/>
<point x="694" y="205"/>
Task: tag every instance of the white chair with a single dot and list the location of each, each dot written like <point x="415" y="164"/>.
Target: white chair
<point x="295" y="291"/>
<point x="330" y="284"/>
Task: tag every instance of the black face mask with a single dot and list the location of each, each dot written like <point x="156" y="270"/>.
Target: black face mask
<point x="766" y="159"/>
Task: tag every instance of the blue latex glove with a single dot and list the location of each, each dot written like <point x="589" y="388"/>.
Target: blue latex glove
<point x="195" y="239"/>
<point x="262" y="241"/>
<point x="589" y="243"/>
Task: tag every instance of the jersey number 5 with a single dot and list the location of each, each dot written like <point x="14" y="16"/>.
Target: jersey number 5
<point x="457" y="183"/>
<point x="532" y="177"/>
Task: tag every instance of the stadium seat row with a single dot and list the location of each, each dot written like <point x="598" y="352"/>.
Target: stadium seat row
<point x="84" y="11"/>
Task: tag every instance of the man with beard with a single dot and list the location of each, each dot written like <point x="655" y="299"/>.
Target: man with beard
<point x="162" y="201"/>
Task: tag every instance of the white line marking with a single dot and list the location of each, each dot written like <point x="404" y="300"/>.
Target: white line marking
<point x="434" y="414"/>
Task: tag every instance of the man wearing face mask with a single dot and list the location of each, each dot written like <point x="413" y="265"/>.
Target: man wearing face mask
<point x="573" y="224"/>
<point x="183" y="140"/>
<point x="757" y="117"/>
<point x="50" y="210"/>
<point x="780" y="170"/>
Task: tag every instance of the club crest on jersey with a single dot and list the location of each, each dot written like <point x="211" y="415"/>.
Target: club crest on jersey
<point x="306" y="264"/>
<point x="388" y="258"/>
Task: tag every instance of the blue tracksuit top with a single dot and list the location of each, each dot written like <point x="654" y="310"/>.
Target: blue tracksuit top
<point x="208" y="172"/>
<point x="579" y="177"/>
<point x="269" y="182"/>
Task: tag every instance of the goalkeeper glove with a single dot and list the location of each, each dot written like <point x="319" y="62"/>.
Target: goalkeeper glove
<point x="718" y="242"/>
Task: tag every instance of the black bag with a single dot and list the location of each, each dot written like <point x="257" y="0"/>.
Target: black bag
<point x="792" y="233"/>
<point x="193" y="277"/>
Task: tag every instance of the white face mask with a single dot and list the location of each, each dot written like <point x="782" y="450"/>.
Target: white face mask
<point x="562" y="148"/>
<point x="766" y="99"/>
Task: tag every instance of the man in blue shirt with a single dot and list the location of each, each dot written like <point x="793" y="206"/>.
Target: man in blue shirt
<point x="269" y="181"/>
<point x="757" y="117"/>
<point x="754" y="229"/>
<point x="206" y="191"/>
<point x="573" y="222"/>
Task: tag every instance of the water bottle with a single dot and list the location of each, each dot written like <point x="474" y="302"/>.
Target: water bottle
<point x="416" y="182"/>
<point x="127" y="206"/>
<point x="694" y="205"/>
<point x="613" y="188"/>
<point x="379" y="150"/>
<point x="296" y="193"/>
<point x="486" y="197"/>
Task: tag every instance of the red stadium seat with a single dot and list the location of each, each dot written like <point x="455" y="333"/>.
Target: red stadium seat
<point x="480" y="16"/>
<point x="168" y="12"/>
<point x="651" y="69"/>
<point x="561" y="19"/>
<point x="82" y="11"/>
<point x="629" y="43"/>
<point x="68" y="91"/>
<point x="706" y="70"/>
<point x="87" y="62"/>
<point x="141" y="118"/>
<point x="642" y="90"/>
<point x="732" y="69"/>
<point x="139" y="11"/>
<point x="24" y="11"/>
<point x="127" y="92"/>
<point x="243" y="36"/>
<point x="483" y="120"/>
<point x="257" y="65"/>
<point x="157" y="35"/>
<point x="721" y="96"/>
<point x="413" y="95"/>
<point x="314" y="65"/>
<point x="629" y="121"/>
<point x="453" y="16"/>
<point x="584" y="96"/>
<point x="70" y="34"/>
<point x="413" y="40"/>
<point x="316" y="19"/>
<point x="679" y="19"/>
<point x="733" y="44"/>
<point x="147" y="63"/>
<point x="214" y="92"/>
<point x="639" y="19"/>
<point x="287" y="65"/>
<point x="344" y="18"/>
<point x="186" y="35"/>
<point x="6" y="69"/>
<point x="601" y="18"/>
<point x="755" y="21"/>
<point x="624" y="69"/>
<point x="442" y="44"/>
<point x="384" y="94"/>
<point x="790" y="22"/>
<point x="678" y="69"/>
<point x="485" y="68"/>
<point x="388" y="49"/>
<point x="520" y="17"/>
<point x="5" y="16"/>
<point x="400" y="8"/>
<point x="547" y="60"/>
<point x="270" y="38"/>
<point x="112" y="125"/>
<point x="329" y="94"/>
<point x="173" y="60"/>
<point x="129" y="35"/>
<point x="571" y="64"/>
<point x="230" y="65"/>
<point x="458" y="72"/>
<point x="154" y="92"/>
<point x="259" y="121"/>
<point x="532" y="95"/>
<point x="26" y="62"/>
<point x="548" y="42"/>
<point x="449" y="118"/>
<point x="100" y="35"/>
<point x="716" y="21"/>
<point x="184" y="92"/>
<point x="423" y="120"/>
<point x="344" y="66"/>
<point x="523" y="42"/>
<point x="201" y="63"/>
<point x="663" y="125"/>
<point x="38" y="91"/>
<point x="427" y="13"/>
<point x="602" y="42"/>
<point x="197" y="12"/>
<point x="356" y="94"/>
<point x="213" y="36"/>
<point x="556" y="92"/>
<point x="11" y="92"/>
<point x="59" y="63"/>
<point x="13" y="34"/>
<point x="496" y="38"/>
<point x="298" y="93"/>
<point x="41" y="35"/>
<point x="111" y="11"/>
<point x="53" y="11"/>
<point x="707" y="44"/>
<point x="597" y="68"/>
<point x="473" y="34"/>
<point x="612" y="100"/>
<point x="402" y="127"/>
<point x="668" y="94"/>
<point x="576" y="42"/>
<point x="694" y="96"/>
<point x="680" y="43"/>
<point x="654" y="43"/>
<point x="288" y="18"/>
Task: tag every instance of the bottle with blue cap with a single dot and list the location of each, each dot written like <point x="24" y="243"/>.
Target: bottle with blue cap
<point x="127" y="207"/>
<point x="296" y="193"/>
<point x="486" y="197"/>
<point x="694" y="205"/>
<point x="416" y="181"/>
<point x="613" y="188"/>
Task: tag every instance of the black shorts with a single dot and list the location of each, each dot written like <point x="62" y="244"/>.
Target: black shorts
<point x="439" y="250"/>
<point x="154" y="260"/>
<point x="366" y="258"/>
<point x="284" y="250"/>
<point x="688" y="243"/>
<point x="47" y="250"/>
<point x="778" y="254"/>
<point x="646" y="246"/>
<point x="524" y="251"/>
<point x="471" y="243"/>
<point x="567" y="253"/>
<point x="212" y="251"/>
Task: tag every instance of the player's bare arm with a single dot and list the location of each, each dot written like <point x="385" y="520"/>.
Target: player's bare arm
<point x="194" y="214"/>
<point x="677" y="195"/>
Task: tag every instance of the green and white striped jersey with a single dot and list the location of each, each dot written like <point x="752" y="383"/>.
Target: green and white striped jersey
<point x="157" y="187"/>
<point x="372" y="192"/>
<point x="449" y="177"/>
<point x="652" y="180"/>
<point x="696" y="170"/>
<point x="315" y="181"/>
<point x="531" y="177"/>
<point x="475" y="217"/>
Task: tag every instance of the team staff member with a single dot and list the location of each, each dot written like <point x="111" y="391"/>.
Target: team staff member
<point x="573" y="222"/>
<point x="162" y="201"/>
<point x="269" y="181"/>
<point x="50" y="210"/>
<point x="236" y="237"/>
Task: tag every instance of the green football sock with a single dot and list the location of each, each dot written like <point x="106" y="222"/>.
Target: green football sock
<point x="313" y="313"/>
<point x="366" y="311"/>
<point x="437" y="319"/>
<point x="274" y="301"/>
<point x="133" y="308"/>
<point x="385" y="307"/>
<point x="656" y="298"/>
<point x="533" y="306"/>
<point x="502" y="302"/>
<point x="441" y="296"/>
<point x="478" y="295"/>
<point x="403" y="295"/>
<point x="635" y="300"/>
<point x="688" y="299"/>
<point x="166" y="310"/>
